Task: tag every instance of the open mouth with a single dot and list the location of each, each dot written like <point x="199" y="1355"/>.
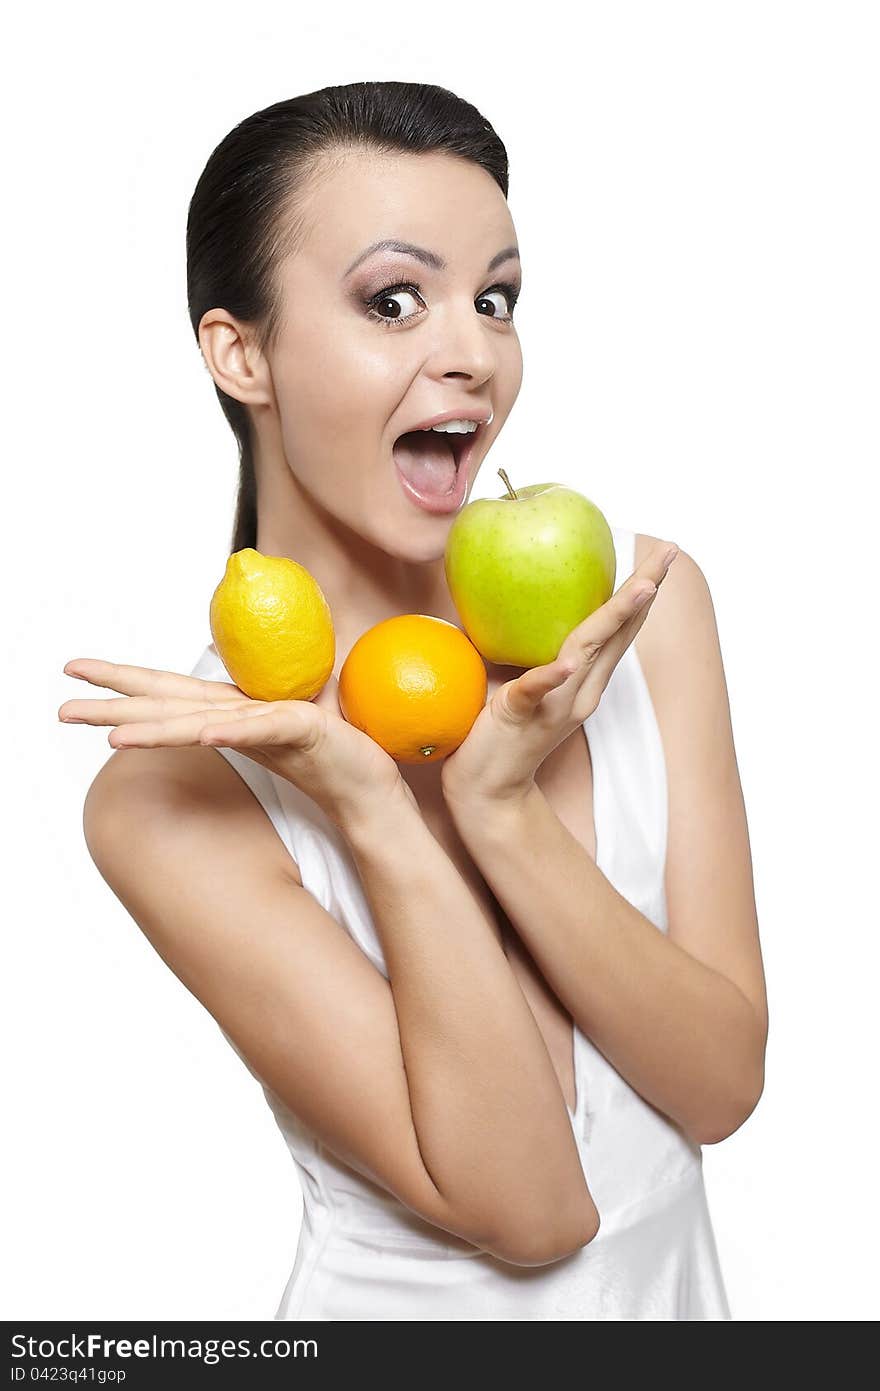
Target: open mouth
<point x="432" y="460"/>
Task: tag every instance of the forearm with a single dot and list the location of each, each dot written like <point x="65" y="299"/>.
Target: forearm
<point x="492" y="1127"/>
<point x="682" y="1035"/>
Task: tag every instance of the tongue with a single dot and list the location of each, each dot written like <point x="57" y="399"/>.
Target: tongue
<point x="426" y="460"/>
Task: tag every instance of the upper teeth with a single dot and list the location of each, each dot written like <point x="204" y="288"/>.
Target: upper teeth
<point x="456" y="427"/>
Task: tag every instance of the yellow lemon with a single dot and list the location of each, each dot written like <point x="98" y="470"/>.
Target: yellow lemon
<point x="272" y="627"/>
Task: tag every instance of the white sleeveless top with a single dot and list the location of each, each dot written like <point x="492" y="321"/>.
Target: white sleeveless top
<point x="362" y="1254"/>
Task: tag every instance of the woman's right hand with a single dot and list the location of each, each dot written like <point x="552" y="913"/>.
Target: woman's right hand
<point x="307" y="742"/>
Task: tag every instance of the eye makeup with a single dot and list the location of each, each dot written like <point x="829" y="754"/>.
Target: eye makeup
<point x="510" y="289"/>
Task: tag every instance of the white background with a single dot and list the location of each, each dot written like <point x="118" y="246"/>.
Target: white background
<point x="694" y="188"/>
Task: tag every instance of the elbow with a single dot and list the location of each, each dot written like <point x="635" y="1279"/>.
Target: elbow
<point x="542" y="1244"/>
<point x="743" y="1092"/>
<point x="721" y="1126"/>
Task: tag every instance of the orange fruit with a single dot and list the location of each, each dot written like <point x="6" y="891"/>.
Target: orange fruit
<point x="415" y="684"/>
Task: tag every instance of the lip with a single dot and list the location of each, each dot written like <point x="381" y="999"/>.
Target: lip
<point x="466" y="444"/>
<point x="477" y="413"/>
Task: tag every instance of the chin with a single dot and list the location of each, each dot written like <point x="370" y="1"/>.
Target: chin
<point x="431" y="550"/>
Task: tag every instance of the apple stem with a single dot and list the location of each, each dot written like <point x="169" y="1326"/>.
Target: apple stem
<point x="510" y="491"/>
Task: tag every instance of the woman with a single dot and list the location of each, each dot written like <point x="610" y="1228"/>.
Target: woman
<point x="497" y="1003"/>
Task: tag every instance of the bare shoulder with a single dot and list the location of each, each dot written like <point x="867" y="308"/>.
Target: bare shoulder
<point x="200" y="782"/>
<point x="679" y="651"/>
<point x="681" y="612"/>
<point x="188" y="851"/>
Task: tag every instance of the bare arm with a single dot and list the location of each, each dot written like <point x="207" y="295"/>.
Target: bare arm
<point x="683" y="1017"/>
<point x="493" y="1130"/>
<point x="681" y="1032"/>
<point x="437" y="1085"/>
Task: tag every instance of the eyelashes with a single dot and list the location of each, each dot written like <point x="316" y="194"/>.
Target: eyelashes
<point x="507" y="288"/>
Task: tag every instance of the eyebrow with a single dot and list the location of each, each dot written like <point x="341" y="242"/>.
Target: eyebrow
<point x="428" y="258"/>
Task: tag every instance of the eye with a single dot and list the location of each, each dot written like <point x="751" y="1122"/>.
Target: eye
<point x="508" y="292"/>
<point x="388" y="296"/>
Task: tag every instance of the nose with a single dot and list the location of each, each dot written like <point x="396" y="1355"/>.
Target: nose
<point x="463" y="346"/>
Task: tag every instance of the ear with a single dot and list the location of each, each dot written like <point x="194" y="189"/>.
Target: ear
<point x="233" y="359"/>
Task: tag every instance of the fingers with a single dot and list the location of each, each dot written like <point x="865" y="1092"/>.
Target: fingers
<point x="644" y="583"/>
<point x="174" y="731"/>
<point x="133" y="710"/>
<point x="659" y="561"/>
<point x="288" y="722"/>
<point x="633" y="597"/>
<point x="601" y="625"/>
<point x="625" y="610"/>
<point x="642" y="589"/>
<point x="519" y="698"/>
<point x="130" y="680"/>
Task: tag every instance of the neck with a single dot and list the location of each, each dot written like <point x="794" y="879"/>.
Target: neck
<point x="362" y="583"/>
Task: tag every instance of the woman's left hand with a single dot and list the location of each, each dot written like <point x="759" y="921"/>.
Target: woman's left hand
<point x="526" y="718"/>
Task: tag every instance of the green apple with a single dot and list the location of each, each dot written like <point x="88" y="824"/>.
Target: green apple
<point x="525" y="569"/>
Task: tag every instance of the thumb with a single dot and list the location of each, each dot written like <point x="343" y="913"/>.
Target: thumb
<point x="519" y="698"/>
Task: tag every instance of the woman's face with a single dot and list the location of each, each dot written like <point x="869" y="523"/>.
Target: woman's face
<point x="359" y="360"/>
